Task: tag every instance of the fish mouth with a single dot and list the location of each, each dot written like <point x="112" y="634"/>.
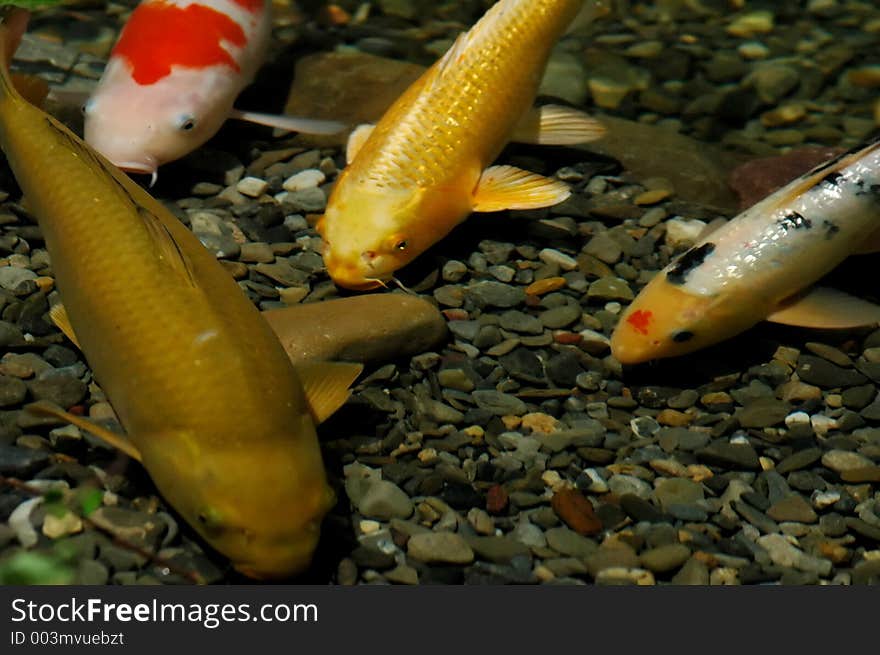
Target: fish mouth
<point x="148" y="167"/>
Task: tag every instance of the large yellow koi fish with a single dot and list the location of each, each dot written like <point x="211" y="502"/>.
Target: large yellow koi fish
<point x="211" y="404"/>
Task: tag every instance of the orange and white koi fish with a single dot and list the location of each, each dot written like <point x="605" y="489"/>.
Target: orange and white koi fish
<point x="759" y="265"/>
<point x="173" y="77"/>
<point x="423" y="168"/>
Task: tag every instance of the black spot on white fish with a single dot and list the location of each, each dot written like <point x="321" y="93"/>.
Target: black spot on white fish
<point x="688" y="262"/>
<point x="831" y="229"/>
<point x="863" y="189"/>
<point x="681" y="336"/>
<point x="832" y="179"/>
<point x="794" y="221"/>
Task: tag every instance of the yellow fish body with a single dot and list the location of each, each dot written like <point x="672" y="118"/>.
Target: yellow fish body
<point x="423" y="168"/>
<point x="211" y="403"/>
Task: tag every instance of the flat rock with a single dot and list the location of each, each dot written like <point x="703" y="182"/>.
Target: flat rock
<point x="784" y="553"/>
<point x="758" y="178"/>
<point x="701" y="169"/>
<point x="726" y="454"/>
<point x="665" y="558"/>
<point x="368" y="328"/>
<point x="499" y="403"/>
<point x="499" y="550"/>
<point x="793" y="508"/>
<point x="384" y="500"/>
<point x="351" y="87"/>
<point x="822" y="373"/>
<point x="440" y="547"/>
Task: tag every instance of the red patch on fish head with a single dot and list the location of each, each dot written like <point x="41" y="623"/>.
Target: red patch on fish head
<point x="159" y="35"/>
<point x="640" y="320"/>
<point x="252" y="6"/>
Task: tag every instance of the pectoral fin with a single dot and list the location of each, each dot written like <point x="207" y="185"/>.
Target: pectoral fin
<point x="118" y="441"/>
<point x="62" y="321"/>
<point x="556" y="125"/>
<point x="508" y="187"/>
<point x="289" y="123"/>
<point x="327" y="385"/>
<point x="825" y="308"/>
<point x="356" y="140"/>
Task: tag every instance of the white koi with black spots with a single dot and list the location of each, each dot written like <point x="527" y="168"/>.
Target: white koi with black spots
<point x="758" y="265"/>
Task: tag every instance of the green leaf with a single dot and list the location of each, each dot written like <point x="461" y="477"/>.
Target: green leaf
<point x="34" y="568"/>
<point x="32" y="4"/>
<point x="89" y="499"/>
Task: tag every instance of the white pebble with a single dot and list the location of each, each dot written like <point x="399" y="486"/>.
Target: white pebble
<point x="613" y="307"/>
<point x="55" y="527"/>
<point x="553" y="256"/>
<point x="682" y="233"/>
<point x="597" y="482"/>
<point x="369" y="526"/>
<point x="307" y="179"/>
<point x="823" y="499"/>
<point x="797" y="418"/>
<point x="20" y="522"/>
<point x="253" y="187"/>
<point x="823" y="424"/>
<point x="552" y="479"/>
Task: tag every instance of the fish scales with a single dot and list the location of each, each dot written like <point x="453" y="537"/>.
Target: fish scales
<point x="439" y="117"/>
<point x="112" y="248"/>
<point x="758" y="246"/>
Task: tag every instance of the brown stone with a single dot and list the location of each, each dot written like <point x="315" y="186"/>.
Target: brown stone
<point x="547" y="285"/>
<point x="367" y="328"/>
<point x="496" y="499"/>
<point x="354" y="88"/>
<point x="576" y="511"/>
<point x="861" y="474"/>
<point x="758" y="178"/>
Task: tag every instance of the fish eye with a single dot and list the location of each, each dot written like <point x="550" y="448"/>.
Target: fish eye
<point x="187" y="123"/>
<point x="210" y="518"/>
<point x="88" y="106"/>
<point x="395" y="243"/>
